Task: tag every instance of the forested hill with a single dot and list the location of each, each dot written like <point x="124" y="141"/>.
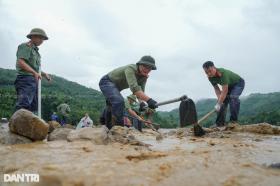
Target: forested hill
<point x="80" y="98"/>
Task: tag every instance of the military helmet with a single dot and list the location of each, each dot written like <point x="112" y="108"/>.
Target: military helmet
<point x="149" y="61"/>
<point x="132" y="96"/>
<point x="38" y="32"/>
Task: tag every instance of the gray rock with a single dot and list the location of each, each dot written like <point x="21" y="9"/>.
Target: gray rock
<point x="53" y="125"/>
<point x="181" y="132"/>
<point x="123" y="135"/>
<point x="59" y="134"/>
<point x="119" y="131"/>
<point x="8" y="138"/>
<point x="172" y="132"/>
<point x="98" y="136"/>
<point x="25" y="123"/>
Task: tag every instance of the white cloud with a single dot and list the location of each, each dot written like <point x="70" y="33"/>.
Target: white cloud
<point x="90" y="38"/>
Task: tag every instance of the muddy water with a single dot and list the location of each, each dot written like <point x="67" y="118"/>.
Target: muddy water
<point x="222" y="158"/>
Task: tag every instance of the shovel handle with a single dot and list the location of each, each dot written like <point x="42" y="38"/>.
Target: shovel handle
<point x="206" y="116"/>
<point x="184" y="97"/>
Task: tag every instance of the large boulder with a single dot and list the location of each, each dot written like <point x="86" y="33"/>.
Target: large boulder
<point x="25" y="123"/>
<point x="53" y="125"/>
<point x="98" y="136"/>
<point x="8" y="138"/>
<point x="59" y="134"/>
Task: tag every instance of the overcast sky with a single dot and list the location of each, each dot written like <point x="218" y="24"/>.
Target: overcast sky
<point x="89" y="38"/>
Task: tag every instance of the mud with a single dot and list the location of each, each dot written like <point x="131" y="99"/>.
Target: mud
<point x="225" y="158"/>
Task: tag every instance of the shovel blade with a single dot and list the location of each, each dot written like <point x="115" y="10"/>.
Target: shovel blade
<point x="198" y="130"/>
<point x="187" y="111"/>
<point x="188" y="116"/>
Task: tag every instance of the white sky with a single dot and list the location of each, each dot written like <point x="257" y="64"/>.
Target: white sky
<point x="89" y="38"/>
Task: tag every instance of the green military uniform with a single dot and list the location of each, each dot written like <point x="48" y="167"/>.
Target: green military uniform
<point x="119" y="79"/>
<point x="228" y="78"/>
<point x="235" y="87"/>
<point x="30" y="54"/>
<point x="63" y="112"/>
<point x="133" y="106"/>
<point x="63" y="109"/>
<point x="128" y="77"/>
<point x="25" y="84"/>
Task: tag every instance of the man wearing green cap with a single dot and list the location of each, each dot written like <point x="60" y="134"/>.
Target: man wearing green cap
<point x="27" y="66"/>
<point x="133" y="76"/>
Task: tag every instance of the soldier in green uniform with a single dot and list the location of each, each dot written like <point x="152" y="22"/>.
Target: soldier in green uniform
<point x="232" y="86"/>
<point x="133" y="76"/>
<point x="27" y="66"/>
<point x="63" y="113"/>
<point x="134" y="113"/>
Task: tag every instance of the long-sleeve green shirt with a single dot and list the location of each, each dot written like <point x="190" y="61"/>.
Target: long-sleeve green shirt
<point x="128" y="77"/>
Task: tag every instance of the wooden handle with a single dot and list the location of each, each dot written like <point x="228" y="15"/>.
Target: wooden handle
<point x="184" y="97"/>
<point x="206" y="116"/>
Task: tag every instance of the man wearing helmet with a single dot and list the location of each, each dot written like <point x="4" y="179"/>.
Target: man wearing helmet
<point x="27" y="66"/>
<point x="133" y="76"/>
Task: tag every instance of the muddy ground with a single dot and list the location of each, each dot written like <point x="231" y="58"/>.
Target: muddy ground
<point x="224" y="158"/>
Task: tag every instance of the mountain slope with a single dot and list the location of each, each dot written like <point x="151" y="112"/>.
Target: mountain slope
<point x="80" y="98"/>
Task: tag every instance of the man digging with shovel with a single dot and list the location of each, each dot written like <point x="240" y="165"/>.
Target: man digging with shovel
<point x="232" y="87"/>
<point x="133" y="76"/>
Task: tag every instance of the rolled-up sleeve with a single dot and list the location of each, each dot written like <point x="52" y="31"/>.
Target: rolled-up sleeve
<point x="131" y="80"/>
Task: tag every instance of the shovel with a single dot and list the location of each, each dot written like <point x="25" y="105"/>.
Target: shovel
<point x="188" y="116"/>
<point x="182" y="98"/>
<point x="39" y="95"/>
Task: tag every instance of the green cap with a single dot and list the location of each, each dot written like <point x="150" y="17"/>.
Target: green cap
<point x="37" y="32"/>
<point x="147" y="60"/>
<point x="132" y="96"/>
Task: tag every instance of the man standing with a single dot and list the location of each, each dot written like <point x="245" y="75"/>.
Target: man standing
<point x="133" y="76"/>
<point x="232" y="87"/>
<point x="27" y="66"/>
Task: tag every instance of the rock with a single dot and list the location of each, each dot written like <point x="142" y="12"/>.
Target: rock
<point x="123" y="135"/>
<point x="8" y="138"/>
<point x="118" y="130"/>
<point x="119" y="134"/>
<point x="25" y="123"/>
<point x="181" y="132"/>
<point x="53" y="125"/>
<point x="98" y="136"/>
<point x="172" y="132"/>
<point x="159" y="137"/>
<point x="59" y="134"/>
<point x="261" y="128"/>
<point x="69" y="126"/>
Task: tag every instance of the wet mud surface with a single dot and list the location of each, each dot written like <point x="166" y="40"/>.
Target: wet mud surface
<point x="225" y="158"/>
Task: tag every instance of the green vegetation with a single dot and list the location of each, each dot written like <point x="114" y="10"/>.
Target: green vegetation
<point x="80" y="98"/>
<point x="255" y="108"/>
